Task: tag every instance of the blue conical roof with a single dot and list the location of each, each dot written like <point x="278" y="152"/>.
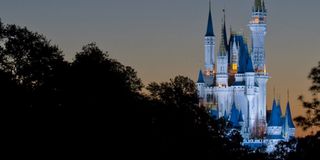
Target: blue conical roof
<point x="279" y="107"/>
<point x="274" y="104"/>
<point x="249" y="67"/>
<point x="288" y="118"/>
<point x="234" y="119"/>
<point x="275" y="119"/>
<point x="244" y="54"/>
<point x="200" y="77"/>
<point x="210" y="32"/>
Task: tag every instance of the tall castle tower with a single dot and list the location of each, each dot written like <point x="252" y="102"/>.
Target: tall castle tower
<point x="222" y="59"/>
<point x="258" y="29"/>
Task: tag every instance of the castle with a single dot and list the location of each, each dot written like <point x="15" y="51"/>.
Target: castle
<point x="234" y="84"/>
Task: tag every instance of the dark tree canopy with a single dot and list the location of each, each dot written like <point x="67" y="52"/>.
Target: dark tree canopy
<point x="178" y="91"/>
<point x="28" y="56"/>
<point x="99" y="79"/>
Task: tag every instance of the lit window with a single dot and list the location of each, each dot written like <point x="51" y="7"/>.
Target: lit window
<point x="234" y="66"/>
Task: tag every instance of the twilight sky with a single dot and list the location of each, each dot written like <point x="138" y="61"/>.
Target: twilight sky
<point x="164" y="38"/>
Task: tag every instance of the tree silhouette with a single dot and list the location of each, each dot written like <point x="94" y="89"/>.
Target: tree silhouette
<point x="96" y="80"/>
<point x="28" y="56"/>
<point x="180" y="91"/>
<point x="34" y="65"/>
<point x="182" y="129"/>
<point x="313" y="107"/>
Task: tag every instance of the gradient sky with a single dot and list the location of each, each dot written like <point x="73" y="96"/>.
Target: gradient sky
<point x="164" y="38"/>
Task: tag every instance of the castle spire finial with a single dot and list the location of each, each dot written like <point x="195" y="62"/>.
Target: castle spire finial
<point x="288" y="94"/>
<point x="274" y="92"/>
<point x="259" y="6"/>
<point x="210" y="32"/>
<point x="224" y="15"/>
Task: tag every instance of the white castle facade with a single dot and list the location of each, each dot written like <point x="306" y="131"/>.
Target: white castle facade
<point x="234" y="84"/>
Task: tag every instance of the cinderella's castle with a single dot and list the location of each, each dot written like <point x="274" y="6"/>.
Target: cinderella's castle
<point x="234" y="84"/>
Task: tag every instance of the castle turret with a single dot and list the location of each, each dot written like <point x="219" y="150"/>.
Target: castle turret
<point x="275" y="122"/>
<point x="221" y="88"/>
<point x="209" y="45"/>
<point x="258" y="27"/>
<point x="274" y="130"/>
<point x="201" y="87"/>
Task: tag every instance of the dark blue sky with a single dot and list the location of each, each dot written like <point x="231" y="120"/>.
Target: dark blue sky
<point x="164" y="38"/>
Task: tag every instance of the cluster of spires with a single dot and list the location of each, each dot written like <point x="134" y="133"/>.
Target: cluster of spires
<point x="245" y="61"/>
<point x="276" y="118"/>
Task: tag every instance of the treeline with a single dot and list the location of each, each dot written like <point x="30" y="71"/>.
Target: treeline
<point x="95" y="106"/>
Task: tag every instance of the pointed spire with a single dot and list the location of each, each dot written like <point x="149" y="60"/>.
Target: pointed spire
<point x="210" y="32"/>
<point x="288" y="118"/>
<point x="258" y="5"/>
<point x="279" y="107"/>
<point x="200" y="77"/>
<point x="223" y="47"/>
<point x="274" y="103"/>
<point x="234" y="42"/>
<point x="224" y="31"/>
<point x="240" y="117"/>
<point x="225" y="116"/>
